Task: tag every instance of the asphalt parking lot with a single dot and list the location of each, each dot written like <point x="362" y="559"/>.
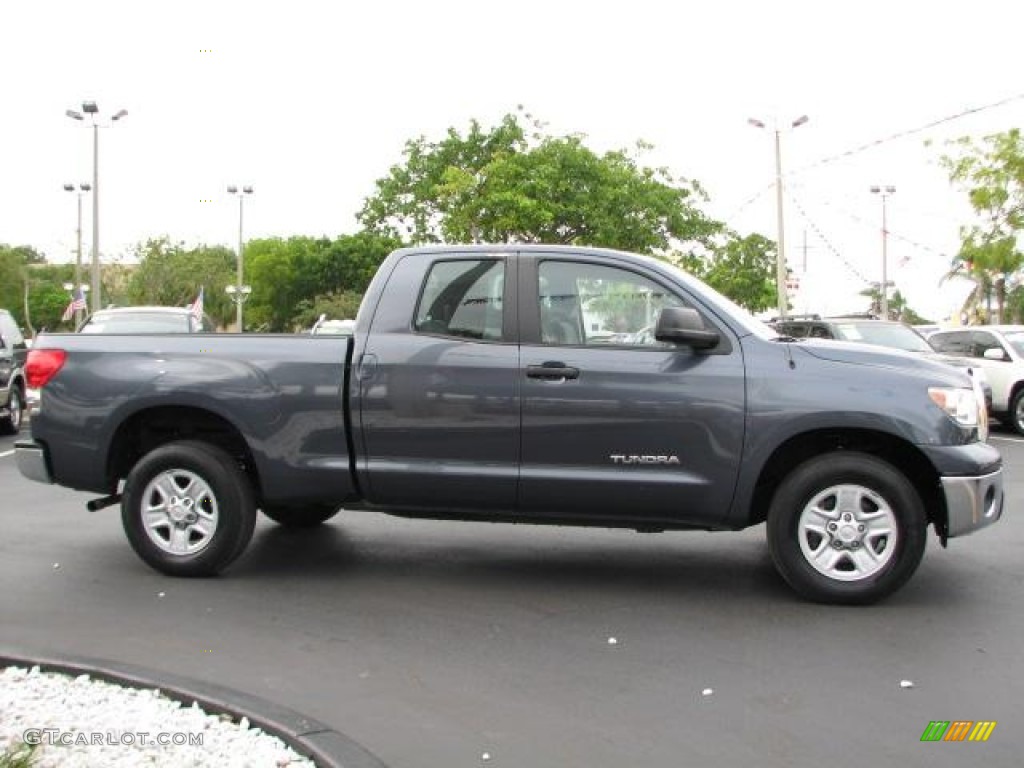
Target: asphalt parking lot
<point x="440" y="644"/>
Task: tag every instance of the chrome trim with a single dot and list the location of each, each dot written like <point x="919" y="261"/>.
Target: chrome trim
<point x="972" y="502"/>
<point x="31" y="460"/>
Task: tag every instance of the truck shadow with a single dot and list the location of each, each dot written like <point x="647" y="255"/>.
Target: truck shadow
<point x="538" y="561"/>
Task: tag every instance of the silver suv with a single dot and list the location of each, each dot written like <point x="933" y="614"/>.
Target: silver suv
<point x="999" y="351"/>
<point x="13" y="351"/>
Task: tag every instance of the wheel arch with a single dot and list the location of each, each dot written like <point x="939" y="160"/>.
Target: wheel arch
<point x="152" y="427"/>
<point x="904" y="456"/>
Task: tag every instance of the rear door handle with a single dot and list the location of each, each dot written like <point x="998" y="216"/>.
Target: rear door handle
<point x="552" y="372"/>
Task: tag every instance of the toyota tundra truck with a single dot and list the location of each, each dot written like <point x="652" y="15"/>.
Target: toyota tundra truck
<point x="524" y="384"/>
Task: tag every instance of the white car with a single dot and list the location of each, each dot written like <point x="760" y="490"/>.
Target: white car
<point x="999" y="351"/>
<point x="333" y="327"/>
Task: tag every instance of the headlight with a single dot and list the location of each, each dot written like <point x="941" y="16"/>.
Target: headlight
<point x="965" y="406"/>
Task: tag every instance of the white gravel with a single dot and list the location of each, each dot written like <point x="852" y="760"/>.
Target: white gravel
<point x="85" y="723"/>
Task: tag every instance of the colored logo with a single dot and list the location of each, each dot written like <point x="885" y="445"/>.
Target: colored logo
<point x="958" y="730"/>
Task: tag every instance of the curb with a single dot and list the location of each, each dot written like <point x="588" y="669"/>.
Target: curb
<point x="322" y="744"/>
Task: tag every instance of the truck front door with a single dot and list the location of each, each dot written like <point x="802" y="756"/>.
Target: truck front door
<point x="616" y="424"/>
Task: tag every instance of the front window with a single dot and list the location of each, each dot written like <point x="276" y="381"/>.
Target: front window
<point x="1016" y="340"/>
<point x="589" y="304"/>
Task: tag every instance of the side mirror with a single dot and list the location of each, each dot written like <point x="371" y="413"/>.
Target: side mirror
<point x="683" y="325"/>
<point x="994" y="354"/>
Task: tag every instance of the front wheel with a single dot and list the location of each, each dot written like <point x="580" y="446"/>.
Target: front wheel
<point x="300" y="517"/>
<point x="846" y="528"/>
<point x="188" y="509"/>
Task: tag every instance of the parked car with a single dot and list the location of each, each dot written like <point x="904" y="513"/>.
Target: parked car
<point x="999" y="351"/>
<point x="333" y="327"/>
<point x="884" y="333"/>
<point x="146" y="320"/>
<point x="13" y="351"/>
<point x="471" y="390"/>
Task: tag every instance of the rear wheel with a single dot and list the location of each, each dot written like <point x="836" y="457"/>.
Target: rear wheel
<point x="1015" y="418"/>
<point x="188" y="509"/>
<point x="846" y="528"/>
<point x="11" y="423"/>
<point x="300" y="517"/>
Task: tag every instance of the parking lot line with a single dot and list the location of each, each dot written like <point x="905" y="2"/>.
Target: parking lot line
<point x="6" y="453"/>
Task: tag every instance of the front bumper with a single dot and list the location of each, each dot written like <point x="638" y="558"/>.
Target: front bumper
<point x="32" y="461"/>
<point x="972" y="502"/>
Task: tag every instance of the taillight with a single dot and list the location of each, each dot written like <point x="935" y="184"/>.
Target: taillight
<point x="42" y="365"/>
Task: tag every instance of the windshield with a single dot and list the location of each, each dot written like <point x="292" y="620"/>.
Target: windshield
<point x="136" y="322"/>
<point x="894" y="335"/>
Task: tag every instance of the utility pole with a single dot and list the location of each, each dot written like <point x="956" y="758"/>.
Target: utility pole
<point x="884" y="192"/>
<point x="780" y="257"/>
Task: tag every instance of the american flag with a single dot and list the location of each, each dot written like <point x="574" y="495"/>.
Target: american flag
<point x="77" y="303"/>
<point x="196" y="307"/>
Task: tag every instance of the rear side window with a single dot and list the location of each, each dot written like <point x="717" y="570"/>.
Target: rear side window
<point x="463" y="299"/>
<point x="955" y="343"/>
<point x="796" y="330"/>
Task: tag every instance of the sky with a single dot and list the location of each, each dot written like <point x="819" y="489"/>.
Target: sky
<point x="311" y="102"/>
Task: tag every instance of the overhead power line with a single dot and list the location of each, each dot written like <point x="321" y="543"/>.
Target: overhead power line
<point x="874" y="225"/>
<point x="904" y="134"/>
<point x="828" y="244"/>
<point x="750" y="200"/>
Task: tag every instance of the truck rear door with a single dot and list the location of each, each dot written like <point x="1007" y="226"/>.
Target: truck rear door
<point x="437" y="386"/>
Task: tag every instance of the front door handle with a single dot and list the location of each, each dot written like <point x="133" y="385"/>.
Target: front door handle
<point x="552" y="371"/>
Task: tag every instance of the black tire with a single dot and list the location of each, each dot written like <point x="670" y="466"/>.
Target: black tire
<point x="11" y="423"/>
<point x="220" y="500"/>
<point x="878" y="498"/>
<point x="1015" y="418"/>
<point x="300" y="517"/>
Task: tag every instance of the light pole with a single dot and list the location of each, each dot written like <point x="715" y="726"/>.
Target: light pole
<point x="80" y="190"/>
<point x="90" y="108"/>
<point x="780" y="257"/>
<point x="884" y="192"/>
<point x="239" y="292"/>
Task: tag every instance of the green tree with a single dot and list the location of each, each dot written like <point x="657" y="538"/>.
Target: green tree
<point x="45" y="298"/>
<point x="169" y="274"/>
<point x="508" y="185"/>
<point x="991" y="172"/>
<point x="744" y="269"/>
<point x="15" y="262"/>
<point x="336" y="306"/>
<point x="899" y="308"/>
<point x="289" y="277"/>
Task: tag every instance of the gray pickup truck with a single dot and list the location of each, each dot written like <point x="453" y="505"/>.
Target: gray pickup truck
<point x="515" y="384"/>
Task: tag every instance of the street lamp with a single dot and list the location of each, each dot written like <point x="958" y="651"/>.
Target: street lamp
<point x="90" y="109"/>
<point x="780" y="257"/>
<point x="884" y="191"/>
<point x="239" y="292"/>
<point x="80" y="190"/>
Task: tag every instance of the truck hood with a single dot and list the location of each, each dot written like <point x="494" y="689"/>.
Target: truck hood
<point x="854" y="353"/>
